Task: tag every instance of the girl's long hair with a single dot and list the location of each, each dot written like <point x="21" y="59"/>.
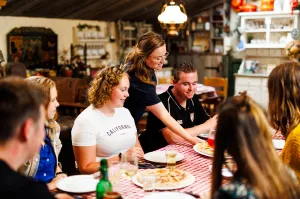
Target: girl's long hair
<point x="135" y="59"/>
<point x="243" y="131"/>
<point x="284" y="97"/>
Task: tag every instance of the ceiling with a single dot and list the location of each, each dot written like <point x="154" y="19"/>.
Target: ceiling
<point x="108" y="10"/>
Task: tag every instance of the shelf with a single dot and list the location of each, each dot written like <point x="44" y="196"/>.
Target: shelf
<point x="281" y="30"/>
<point x="217" y="38"/>
<point x="195" y="31"/>
<point x="272" y="13"/>
<point x="219" y="21"/>
<point x="92" y="56"/>
<point x="92" y="40"/>
<point x="256" y="30"/>
<point x="265" y="45"/>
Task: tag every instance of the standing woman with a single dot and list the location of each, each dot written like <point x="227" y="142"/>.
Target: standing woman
<point x="148" y="55"/>
<point x="284" y="109"/>
<point x="243" y="132"/>
<point x="44" y="167"/>
<point x="105" y="128"/>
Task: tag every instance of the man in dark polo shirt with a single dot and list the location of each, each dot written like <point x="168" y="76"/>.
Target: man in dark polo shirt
<point x="183" y="105"/>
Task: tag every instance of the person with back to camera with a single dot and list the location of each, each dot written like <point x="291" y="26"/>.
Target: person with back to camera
<point x="243" y="132"/>
<point x="105" y="129"/>
<point x="44" y="167"/>
<point x="284" y="109"/>
<point x="183" y="105"/>
<point x="22" y="118"/>
<point x="147" y="55"/>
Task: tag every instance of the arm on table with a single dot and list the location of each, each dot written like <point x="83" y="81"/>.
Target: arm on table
<point x="52" y="185"/>
<point x="172" y="138"/>
<point x="85" y="157"/>
<point x="161" y="113"/>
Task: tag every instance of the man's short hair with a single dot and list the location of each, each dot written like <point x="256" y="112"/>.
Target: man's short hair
<point x="19" y="101"/>
<point x="185" y="67"/>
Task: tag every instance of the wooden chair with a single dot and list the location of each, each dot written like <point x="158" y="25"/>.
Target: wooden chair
<point x="221" y="84"/>
<point x="210" y="104"/>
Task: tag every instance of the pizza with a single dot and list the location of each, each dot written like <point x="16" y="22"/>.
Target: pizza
<point x="204" y="148"/>
<point x="164" y="177"/>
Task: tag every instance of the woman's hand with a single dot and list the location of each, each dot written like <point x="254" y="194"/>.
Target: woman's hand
<point x="135" y="151"/>
<point x="52" y="185"/>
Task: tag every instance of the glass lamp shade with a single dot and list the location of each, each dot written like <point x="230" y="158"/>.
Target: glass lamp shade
<point x="172" y="15"/>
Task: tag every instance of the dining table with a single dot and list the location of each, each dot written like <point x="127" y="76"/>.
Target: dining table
<point x="193" y="162"/>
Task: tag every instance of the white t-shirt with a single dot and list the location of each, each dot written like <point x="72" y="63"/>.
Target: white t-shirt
<point x="111" y="135"/>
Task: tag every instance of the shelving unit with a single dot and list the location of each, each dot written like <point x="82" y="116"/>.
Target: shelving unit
<point x="265" y="34"/>
<point x="89" y="44"/>
<point x="268" y="29"/>
<point x="207" y="30"/>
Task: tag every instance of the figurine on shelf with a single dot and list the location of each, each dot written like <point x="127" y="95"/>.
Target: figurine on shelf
<point x="78" y="67"/>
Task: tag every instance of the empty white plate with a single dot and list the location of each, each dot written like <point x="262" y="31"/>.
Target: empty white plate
<point x="78" y="184"/>
<point x="278" y="144"/>
<point x="164" y="195"/>
<point x="160" y="157"/>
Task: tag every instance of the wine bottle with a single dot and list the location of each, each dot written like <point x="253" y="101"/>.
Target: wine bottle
<point x="104" y="184"/>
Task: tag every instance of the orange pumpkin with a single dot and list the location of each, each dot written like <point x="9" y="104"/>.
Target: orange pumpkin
<point x="248" y="8"/>
<point x="267" y="7"/>
<point x="235" y="4"/>
<point x="267" y="2"/>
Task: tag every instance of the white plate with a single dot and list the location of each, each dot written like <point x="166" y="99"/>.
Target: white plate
<point x="173" y="195"/>
<point x="206" y="154"/>
<point x="278" y="144"/>
<point x="203" y="135"/>
<point x="78" y="184"/>
<point x="187" y="182"/>
<point x="160" y="157"/>
<point x="202" y="153"/>
<point x="225" y="172"/>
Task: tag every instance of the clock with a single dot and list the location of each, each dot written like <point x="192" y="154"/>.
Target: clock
<point x="295" y="34"/>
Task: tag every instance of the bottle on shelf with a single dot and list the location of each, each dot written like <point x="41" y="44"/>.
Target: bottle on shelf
<point x="104" y="185"/>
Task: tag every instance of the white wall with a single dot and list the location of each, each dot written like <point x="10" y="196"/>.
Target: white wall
<point x="62" y="27"/>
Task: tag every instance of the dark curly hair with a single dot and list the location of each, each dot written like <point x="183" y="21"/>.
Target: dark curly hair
<point x="103" y="83"/>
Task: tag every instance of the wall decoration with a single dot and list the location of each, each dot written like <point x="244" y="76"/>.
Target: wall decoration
<point x="36" y="47"/>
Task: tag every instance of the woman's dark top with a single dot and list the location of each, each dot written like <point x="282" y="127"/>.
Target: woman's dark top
<point x="140" y="95"/>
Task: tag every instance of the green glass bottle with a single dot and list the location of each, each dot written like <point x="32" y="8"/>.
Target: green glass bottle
<point x="104" y="184"/>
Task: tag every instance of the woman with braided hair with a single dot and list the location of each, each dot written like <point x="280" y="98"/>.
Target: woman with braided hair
<point x="105" y="128"/>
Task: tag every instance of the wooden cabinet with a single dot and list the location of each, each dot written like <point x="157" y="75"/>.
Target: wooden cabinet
<point x="255" y="85"/>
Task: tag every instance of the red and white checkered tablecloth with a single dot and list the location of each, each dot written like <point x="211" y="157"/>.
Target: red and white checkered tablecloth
<point x="193" y="163"/>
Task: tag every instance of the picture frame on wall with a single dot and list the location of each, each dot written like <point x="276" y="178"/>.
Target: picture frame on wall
<point x="36" y="47"/>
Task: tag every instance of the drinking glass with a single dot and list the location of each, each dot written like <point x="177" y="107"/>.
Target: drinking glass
<point x="129" y="165"/>
<point x="114" y="173"/>
<point x="148" y="182"/>
<point x="171" y="158"/>
<point x="211" y="138"/>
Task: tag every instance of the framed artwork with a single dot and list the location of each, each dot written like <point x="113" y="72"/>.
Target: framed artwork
<point x="34" y="46"/>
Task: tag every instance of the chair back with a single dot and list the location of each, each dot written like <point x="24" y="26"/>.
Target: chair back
<point x="220" y="84"/>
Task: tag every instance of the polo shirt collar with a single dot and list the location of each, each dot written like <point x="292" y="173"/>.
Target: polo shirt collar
<point x="189" y="102"/>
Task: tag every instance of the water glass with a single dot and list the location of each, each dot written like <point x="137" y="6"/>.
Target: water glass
<point x="148" y="182"/>
<point x="114" y="173"/>
<point x="171" y="158"/>
<point x="129" y="165"/>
